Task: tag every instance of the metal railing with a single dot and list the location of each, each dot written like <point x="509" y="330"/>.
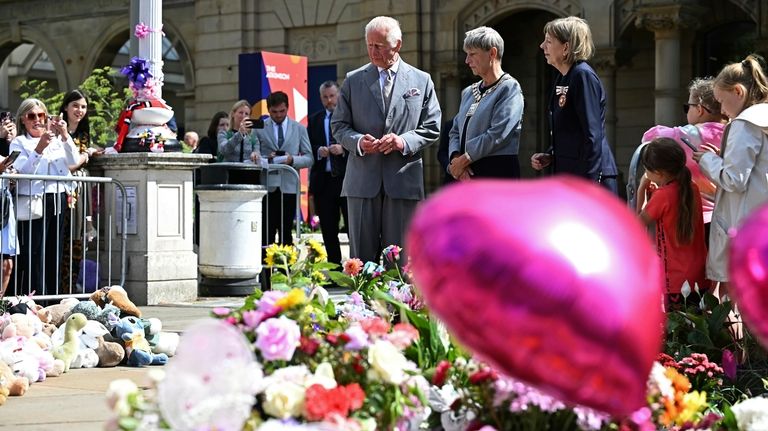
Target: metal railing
<point x="43" y="248"/>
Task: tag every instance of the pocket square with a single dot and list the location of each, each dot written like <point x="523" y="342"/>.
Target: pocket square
<point x="412" y="93"/>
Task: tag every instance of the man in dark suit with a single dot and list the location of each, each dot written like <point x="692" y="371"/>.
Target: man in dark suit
<point x="281" y="141"/>
<point x="386" y="115"/>
<point x="327" y="174"/>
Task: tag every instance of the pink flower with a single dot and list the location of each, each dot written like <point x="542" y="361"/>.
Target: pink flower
<point x="353" y="266"/>
<point x="358" y="339"/>
<point x="267" y="302"/>
<point x="392" y="253"/>
<point x="221" y="311"/>
<point x="252" y="318"/>
<point x="277" y="338"/>
<point x="729" y="364"/>
<point x="402" y="335"/>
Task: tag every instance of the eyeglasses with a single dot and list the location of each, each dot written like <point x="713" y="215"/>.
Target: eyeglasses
<point x="31" y="116"/>
<point x="687" y="106"/>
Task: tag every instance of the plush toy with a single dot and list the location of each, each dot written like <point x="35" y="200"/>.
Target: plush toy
<point x="4" y="390"/>
<point x="16" y="386"/>
<point x="110" y="354"/>
<point x="159" y="341"/>
<point x="67" y="351"/>
<point x="56" y="314"/>
<point x="106" y="315"/>
<point x="88" y="341"/>
<point x="137" y="350"/>
<point x="118" y="297"/>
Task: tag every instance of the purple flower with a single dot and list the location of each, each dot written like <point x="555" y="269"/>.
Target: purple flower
<point x="358" y="339"/>
<point x="267" y="302"/>
<point x="277" y="338"/>
<point x="137" y="72"/>
<point x="392" y="253"/>
<point x="356" y="298"/>
<point x="729" y="364"/>
<point x="400" y="292"/>
<point x="221" y="311"/>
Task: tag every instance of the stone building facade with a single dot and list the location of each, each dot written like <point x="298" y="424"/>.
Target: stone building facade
<point x="647" y="50"/>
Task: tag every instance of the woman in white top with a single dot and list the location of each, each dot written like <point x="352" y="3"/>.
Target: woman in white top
<point x="46" y="149"/>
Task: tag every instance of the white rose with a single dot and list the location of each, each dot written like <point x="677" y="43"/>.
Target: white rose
<point x="323" y="376"/>
<point x="387" y="362"/>
<point x="117" y="396"/>
<point x="751" y="414"/>
<point x="284" y="400"/>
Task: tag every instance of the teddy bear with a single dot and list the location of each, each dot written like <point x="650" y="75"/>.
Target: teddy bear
<point x="118" y="297"/>
<point x="56" y="314"/>
<point x="67" y="351"/>
<point x="15" y="385"/>
<point x="137" y="350"/>
<point x="110" y="354"/>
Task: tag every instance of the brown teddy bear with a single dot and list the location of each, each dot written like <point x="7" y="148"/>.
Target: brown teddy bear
<point x="16" y="386"/>
<point x="118" y="297"/>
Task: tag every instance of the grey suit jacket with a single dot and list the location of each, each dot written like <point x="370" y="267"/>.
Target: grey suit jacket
<point x="414" y="114"/>
<point x="296" y="143"/>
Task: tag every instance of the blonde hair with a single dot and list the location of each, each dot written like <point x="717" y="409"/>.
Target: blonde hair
<point x="26" y="106"/>
<point x="748" y="73"/>
<point x="574" y="31"/>
<point x="239" y="104"/>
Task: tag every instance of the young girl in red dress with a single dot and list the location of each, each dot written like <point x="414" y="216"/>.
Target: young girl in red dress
<point x="675" y="208"/>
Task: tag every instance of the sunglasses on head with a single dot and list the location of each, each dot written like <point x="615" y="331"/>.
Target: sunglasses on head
<point x="31" y="116"/>
<point x="687" y="107"/>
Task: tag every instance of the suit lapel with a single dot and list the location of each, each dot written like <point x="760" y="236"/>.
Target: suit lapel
<point x="401" y="85"/>
<point x="372" y="77"/>
<point x="269" y="131"/>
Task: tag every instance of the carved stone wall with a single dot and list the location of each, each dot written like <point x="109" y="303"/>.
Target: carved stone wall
<point x="318" y="44"/>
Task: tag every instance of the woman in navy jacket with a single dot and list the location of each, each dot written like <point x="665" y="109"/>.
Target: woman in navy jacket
<point x="577" y="107"/>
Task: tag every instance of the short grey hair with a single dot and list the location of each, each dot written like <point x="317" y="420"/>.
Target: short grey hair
<point x="328" y="84"/>
<point x="387" y="23"/>
<point x="484" y="38"/>
<point x="703" y="89"/>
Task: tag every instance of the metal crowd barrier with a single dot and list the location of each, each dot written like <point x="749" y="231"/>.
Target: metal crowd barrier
<point x="46" y="263"/>
<point x="297" y="221"/>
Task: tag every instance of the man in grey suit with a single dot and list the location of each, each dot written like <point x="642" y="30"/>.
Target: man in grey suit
<point x="386" y="114"/>
<point x="281" y="141"/>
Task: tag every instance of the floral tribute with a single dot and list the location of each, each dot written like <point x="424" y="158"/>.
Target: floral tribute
<point x="375" y="359"/>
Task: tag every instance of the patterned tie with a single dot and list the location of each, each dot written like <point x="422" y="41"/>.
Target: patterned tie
<point x="280" y="137"/>
<point x="386" y="89"/>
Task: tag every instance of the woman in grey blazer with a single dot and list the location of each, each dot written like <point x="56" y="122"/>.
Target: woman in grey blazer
<point x="485" y="137"/>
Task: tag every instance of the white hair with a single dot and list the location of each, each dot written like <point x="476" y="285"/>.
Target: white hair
<point x="388" y="24"/>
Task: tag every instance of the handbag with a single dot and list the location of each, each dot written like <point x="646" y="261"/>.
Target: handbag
<point x="29" y="207"/>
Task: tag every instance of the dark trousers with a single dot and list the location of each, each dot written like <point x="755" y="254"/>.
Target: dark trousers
<point x="278" y="216"/>
<point x="505" y="166"/>
<point x="41" y="246"/>
<point x="329" y="206"/>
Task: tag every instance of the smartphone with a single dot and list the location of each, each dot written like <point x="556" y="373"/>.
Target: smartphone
<point x="254" y="123"/>
<point x="12" y="157"/>
<point x="687" y="142"/>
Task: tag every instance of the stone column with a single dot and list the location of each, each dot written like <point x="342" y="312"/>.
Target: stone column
<point x="604" y="63"/>
<point x="665" y="19"/>
<point x="151" y="46"/>
<point x="161" y="262"/>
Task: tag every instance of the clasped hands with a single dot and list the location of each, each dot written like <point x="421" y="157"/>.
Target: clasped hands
<point x="459" y="168"/>
<point x="335" y="149"/>
<point x="386" y="144"/>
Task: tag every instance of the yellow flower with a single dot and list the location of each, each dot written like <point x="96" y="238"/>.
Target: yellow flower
<point x="280" y="254"/>
<point x="317" y="252"/>
<point x="317" y="276"/>
<point x="693" y="403"/>
<point x="293" y="298"/>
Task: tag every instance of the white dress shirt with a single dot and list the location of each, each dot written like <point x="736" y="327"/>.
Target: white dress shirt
<point x="56" y="159"/>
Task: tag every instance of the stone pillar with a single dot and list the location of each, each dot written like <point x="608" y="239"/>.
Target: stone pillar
<point x="665" y="19"/>
<point x="161" y="264"/>
<point x="604" y="63"/>
<point x="151" y="46"/>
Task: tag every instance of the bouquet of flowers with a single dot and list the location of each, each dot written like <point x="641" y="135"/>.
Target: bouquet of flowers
<point x="375" y="359"/>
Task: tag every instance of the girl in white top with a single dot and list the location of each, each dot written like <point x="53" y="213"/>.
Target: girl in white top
<point x="46" y="149"/>
<point x="740" y="167"/>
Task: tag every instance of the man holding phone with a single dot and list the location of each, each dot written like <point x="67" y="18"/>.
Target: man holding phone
<point x="283" y="141"/>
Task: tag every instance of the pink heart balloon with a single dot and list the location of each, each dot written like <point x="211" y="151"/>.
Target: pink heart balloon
<point x="748" y="270"/>
<point x="554" y="282"/>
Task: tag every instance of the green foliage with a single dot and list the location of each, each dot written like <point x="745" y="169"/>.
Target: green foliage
<point x="106" y="100"/>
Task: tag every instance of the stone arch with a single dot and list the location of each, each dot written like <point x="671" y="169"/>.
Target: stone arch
<point x="33" y="35"/>
<point x="626" y="13"/>
<point x="477" y="14"/>
<point x="115" y="35"/>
